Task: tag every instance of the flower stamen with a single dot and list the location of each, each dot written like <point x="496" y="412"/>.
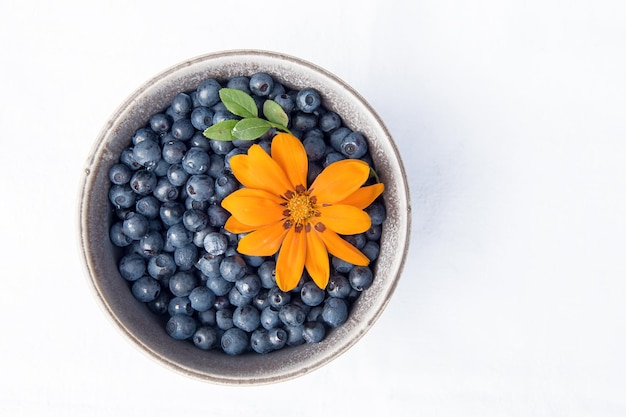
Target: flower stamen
<point x="300" y="208"/>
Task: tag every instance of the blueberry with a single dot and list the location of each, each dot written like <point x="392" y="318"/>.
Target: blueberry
<point x="182" y="283"/>
<point x="171" y="213"/>
<point x="337" y="135"/>
<point x="353" y="145"/>
<point x="135" y="225"/>
<point x="195" y="220"/>
<point x="260" y="301"/>
<point x="148" y="206"/>
<point x="341" y="266"/>
<point x="222" y="115"/>
<point x="201" y="298"/>
<point x="173" y="151"/>
<point x="313" y="332"/>
<point x="377" y="212"/>
<point x="216" y="165"/>
<point x="295" y="335"/>
<point x="147" y="153"/>
<point x="160" y="123"/>
<point x="277" y="337"/>
<point x="249" y="285"/>
<point x="311" y="294"/>
<point x="217" y="216"/>
<point x="117" y="236"/>
<point x="225" y="184"/>
<point x="126" y="158"/>
<point x="119" y="174"/>
<point x="261" y="84"/>
<point x="160" y="169"/>
<point x="144" y="133"/>
<point x="176" y="175"/>
<point x="335" y="311"/>
<point x="207" y="317"/>
<point x="267" y="274"/>
<point x="200" y="187"/>
<point x="209" y="264"/>
<point x="246" y="317"/>
<point x="338" y="286"/>
<point x="286" y="102"/>
<point x="178" y="236"/>
<point x="132" y="267"/>
<point x="180" y="327"/>
<point x="314" y="146"/>
<point x="181" y="104"/>
<point x="159" y="305"/>
<point x="332" y="158"/>
<point x="146" y="289"/>
<point x="191" y="204"/>
<point x="161" y="266"/>
<point x="291" y="315"/>
<point x="201" y="118"/>
<point x="182" y="129"/>
<point x="224" y="318"/>
<point x="278" y="298"/>
<point x="358" y="240"/>
<point x="207" y="92"/>
<point x="205" y="337"/>
<point x="308" y="100"/>
<point x="165" y="191"/>
<point x="371" y="250"/>
<point x="329" y="121"/>
<point x="239" y="83"/>
<point x="215" y="243"/>
<point x="234" y="341"/>
<point x="237" y="299"/>
<point x="361" y="277"/>
<point x="198" y="140"/>
<point x="151" y="243"/>
<point x="374" y="232"/>
<point x="143" y="182"/>
<point x="221" y="147"/>
<point x="303" y="121"/>
<point x="276" y="90"/>
<point x="269" y="317"/>
<point x="122" y="196"/>
<point x="180" y="305"/>
<point x="196" y="161"/>
<point x="315" y="314"/>
<point x="219" y="285"/>
<point x="233" y="268"/>
<point x="185" y="257"/>
<point x="259" y="341"/>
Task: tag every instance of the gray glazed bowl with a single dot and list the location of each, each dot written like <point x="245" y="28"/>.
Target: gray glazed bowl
<point x="95" y="217"/>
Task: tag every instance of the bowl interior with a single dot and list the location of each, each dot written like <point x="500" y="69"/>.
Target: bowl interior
<point x="95" y="217"/>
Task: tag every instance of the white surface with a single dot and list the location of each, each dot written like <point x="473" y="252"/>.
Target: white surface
<point x="510" y="117"/>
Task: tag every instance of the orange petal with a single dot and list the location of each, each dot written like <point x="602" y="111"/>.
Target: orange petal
<point x="264" y="241"/>
<point x="342" y="249"/>
<point x="339" y="179"/>
<point x="289" y="154"/>
<point x="364" y="196"/>
<point x="259" y="170"/>
<point x="235" y="226"/>
<point x="290" y="262"/>
<point x="345" y="220"/>
<point x="317" y="262"/>
<point x="254" y="207"/>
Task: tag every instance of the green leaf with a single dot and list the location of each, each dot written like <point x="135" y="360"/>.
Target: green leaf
<point x="252" y="128"/>
<point x="221" y="131"/>
<point x="239" y="102"/>
<point x="274" y="113"/>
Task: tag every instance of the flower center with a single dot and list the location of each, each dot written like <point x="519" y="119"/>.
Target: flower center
<point x="300" y="207"/>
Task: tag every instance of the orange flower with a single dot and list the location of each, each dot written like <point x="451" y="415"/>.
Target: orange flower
<point x="278" y="212"/>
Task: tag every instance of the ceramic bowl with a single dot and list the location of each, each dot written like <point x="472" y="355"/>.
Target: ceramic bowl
<point x="140" y="325"/>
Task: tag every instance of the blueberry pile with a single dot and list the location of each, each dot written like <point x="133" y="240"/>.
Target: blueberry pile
<point x="175" y="254"/>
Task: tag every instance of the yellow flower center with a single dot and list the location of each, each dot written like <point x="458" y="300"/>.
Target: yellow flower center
<point x="300" y="208"/>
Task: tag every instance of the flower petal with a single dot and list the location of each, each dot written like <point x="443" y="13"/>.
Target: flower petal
<point x="339" y="179"/>
<point x="235" y="226"/>
<point x="258" y="170"/>
<point x="345" y="220"/>
<point x="264" y="241"/>
<point x="364" y="196"/>
<point x="317" y="262"/>
<point x="342" y="249"/>
<point x="289" y="154"/>
<point x="254" y="207"/>
<point x="290" y="262"/>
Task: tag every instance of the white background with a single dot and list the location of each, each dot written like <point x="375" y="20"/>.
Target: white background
<point x="510" y="118"/>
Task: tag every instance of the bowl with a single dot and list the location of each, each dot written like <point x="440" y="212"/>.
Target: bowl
<point x="140" y="325"/>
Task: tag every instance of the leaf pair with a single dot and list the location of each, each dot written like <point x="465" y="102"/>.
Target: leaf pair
<point x="250" y="126"/>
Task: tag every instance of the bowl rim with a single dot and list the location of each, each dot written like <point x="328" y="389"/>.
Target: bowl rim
<point x="100" y="152"/>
